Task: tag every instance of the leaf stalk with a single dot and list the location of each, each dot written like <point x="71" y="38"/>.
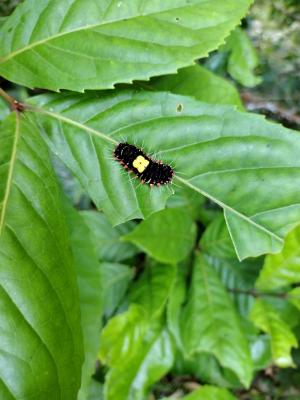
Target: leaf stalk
<point x="15" y="105"/>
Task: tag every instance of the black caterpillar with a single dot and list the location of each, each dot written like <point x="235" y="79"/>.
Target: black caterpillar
<point x="153" y="172"/>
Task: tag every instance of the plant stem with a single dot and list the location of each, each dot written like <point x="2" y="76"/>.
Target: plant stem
<point x="254" y="293"/>
<point x="14" y="104"/>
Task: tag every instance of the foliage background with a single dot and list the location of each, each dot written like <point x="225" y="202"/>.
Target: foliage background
<point x="269" y="84"/>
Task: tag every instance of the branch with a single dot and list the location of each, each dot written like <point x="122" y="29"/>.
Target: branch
<point x="15" y="105"/>
<point x="254" y="293"/>
<point x="255" y="103"/>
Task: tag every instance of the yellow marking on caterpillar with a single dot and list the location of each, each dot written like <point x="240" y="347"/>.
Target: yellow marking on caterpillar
<point x="140" y="163"/>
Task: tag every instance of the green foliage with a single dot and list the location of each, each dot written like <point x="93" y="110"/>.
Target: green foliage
<point x="209" y="323"/>
<point x="284" y="268"/>
<point x="110" y="42"/>
<point x="282" y="338"/>
<point x="243" y="58"/>
<point x="209" y="393"/>
<point x="89" y="276"/>
<point x="107" y="240"/>
<point x="153" y="288"/>
<point x="237" y="154"/>
<point x="40" y="321"/>
<point x="117" y="278"/>
<point x="158" y="235"/>
<point x="210" y="87"/>
<point x="115" y="290"/>
<point x="138" y="351"/>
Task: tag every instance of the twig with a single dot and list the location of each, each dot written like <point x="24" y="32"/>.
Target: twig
<point x="254" y="293"/>
<point x="15" y="105"/>
<point x="257" y="103"/>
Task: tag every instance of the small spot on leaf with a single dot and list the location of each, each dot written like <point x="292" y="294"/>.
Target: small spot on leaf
<point x="179" y="107"/>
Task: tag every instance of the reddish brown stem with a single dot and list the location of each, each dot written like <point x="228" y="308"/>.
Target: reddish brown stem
<point x="15" y="105"/>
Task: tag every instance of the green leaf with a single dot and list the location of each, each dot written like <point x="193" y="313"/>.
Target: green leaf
<point x="77" y="45"/>
<point x="168" y="235"/>
<point x="210" y="323"/>
<point x="107" y="239"/>
<point x="199" y="207"/>
<point x="238" y="277"/>
<point x="40" y="320"/>
<point x="210" y="393"/>
<point x="216" y="240"/>
<point x="132" y="379"/>
<point x="175" y="302"/>
<point x="4" y="109"/>
<point x="243" y="58"/>
<point x="139" y="354"/>
<point x="95" y="391"/>
<point x="206" y="368"/>
<point x="246" y="165"/>
<point x="199" y="82"/>
<point x="117" y="278"/>
<point x="282" y="269"/>
<point x="294" y="297"/>
<point x="90" y="293"/>
<point x="282" y="338"/>
<point x="153" y="288"/>
<point x="122" y="336"/>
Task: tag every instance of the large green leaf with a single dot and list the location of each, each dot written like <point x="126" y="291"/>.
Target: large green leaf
<point x="210" y="393"/>
<point x="284" y="268"/>
<point x="107" y="239"/>
<point x="238" y="277"/>
<point x="153" y="288"/>
<point x="210" y="323"/>
<point x="4" y="109"/>
<point x="138" y="353"/>
<point x="77" y="45"/>
<point x="122" y="335"/>
<point x="40" y="320"/>
<point x="248" y="166"/>
<point x="89" y="277"/>
<point x="131" y="380"/>
<point x="204" y="85"/>
<point x="265" y="317"/>
<point x="168" y="235"/>
<point x="117" y="278"/>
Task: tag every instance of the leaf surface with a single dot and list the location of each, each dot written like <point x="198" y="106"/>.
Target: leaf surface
<point x="138" y="352"/>
<point x="204" y="85"/>
<point x="243" y="58"/>
<point x="210" y="393"/>
<point x="153" y="288"/>
<point x="77" y="45"/>
<point x="89" y="277"/>
<point x="282" y="269"/>
<point x="282" y="338"/>
<point x="107" y="239"/>
<point x="210" y="323"/>
<point x="40" y="320"/>
<point x="168" y="235"/>
<point x="241" y="162"/>
<point x="117" y="278"/>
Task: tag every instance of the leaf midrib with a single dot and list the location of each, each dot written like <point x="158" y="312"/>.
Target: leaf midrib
<point x="81" y="28"/>
<point x="183" y="181"/>
<point x="12" y="162"/>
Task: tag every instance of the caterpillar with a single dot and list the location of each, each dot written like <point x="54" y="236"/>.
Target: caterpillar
<point x="149" y="171"/>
